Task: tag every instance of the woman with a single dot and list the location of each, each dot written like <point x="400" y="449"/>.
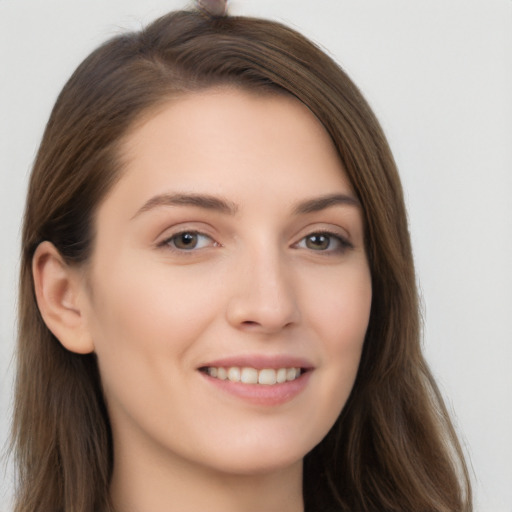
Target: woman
<point x="224" y="289"/>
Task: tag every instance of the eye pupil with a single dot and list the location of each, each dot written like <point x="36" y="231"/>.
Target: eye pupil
<point x="186" y="240"/>
<point x="317" y="242"/>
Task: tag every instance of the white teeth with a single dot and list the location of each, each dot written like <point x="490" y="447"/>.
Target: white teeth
<point x="267" y="377"/>
<point x="248" y="375"/>
<point x="291" y="373"/>
<point x="234" y="374"/>
<point x="281" y="375"/>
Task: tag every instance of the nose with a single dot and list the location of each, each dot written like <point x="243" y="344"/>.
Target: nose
<point x="263" y="297"/>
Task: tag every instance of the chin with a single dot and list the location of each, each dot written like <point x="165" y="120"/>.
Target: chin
<point x="262" y="455"/>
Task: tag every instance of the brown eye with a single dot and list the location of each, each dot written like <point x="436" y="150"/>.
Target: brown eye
<point x="185" y="241"/>
<point x="189" y="240"/>
<point x="318" y="242"/>
<point x="329" y="243"/>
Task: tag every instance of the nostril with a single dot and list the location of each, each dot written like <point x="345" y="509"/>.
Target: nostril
<point x="256" y="313"/>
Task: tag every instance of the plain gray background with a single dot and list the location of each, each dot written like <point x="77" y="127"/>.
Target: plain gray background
<point x="438" y="74"/>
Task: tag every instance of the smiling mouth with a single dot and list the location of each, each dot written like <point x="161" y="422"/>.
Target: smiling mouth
<point x="248" y="375"/>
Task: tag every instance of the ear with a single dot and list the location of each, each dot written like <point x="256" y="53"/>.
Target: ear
<point x="60" y="293"/>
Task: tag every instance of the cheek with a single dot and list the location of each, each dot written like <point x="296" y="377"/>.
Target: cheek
<point x="144" y="297"/>
<point x="144" y="313"/>
<point x="340" y="309"/>
<point x="339" y="316"/>
<point x="147" y="319"/>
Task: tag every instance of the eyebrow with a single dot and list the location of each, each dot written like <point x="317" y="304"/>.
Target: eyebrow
<point x="321" y="203"/>
<point x="204" y="201"/>
<point x="220" y="205"/>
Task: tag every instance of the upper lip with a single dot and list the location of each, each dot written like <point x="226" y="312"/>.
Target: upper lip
<point x="260" y="362"/>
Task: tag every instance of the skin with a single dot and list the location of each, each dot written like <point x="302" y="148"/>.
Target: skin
<point x="257" y="282"/>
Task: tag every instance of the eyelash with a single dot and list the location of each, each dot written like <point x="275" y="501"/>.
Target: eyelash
<point x="342" y="243"/>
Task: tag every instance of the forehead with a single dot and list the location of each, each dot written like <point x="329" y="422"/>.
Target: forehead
<point x="231" y="142"/>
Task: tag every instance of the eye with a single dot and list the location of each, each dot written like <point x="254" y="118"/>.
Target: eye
<point x="188" y="241"/>
<point x="324" y="242"/>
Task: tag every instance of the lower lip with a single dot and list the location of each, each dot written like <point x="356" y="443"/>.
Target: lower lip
<point x="260" y="394"/>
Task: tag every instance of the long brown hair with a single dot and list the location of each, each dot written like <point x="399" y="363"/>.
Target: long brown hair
<point x="393" y="447"/>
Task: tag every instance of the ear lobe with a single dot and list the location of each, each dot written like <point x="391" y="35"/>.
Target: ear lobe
<point x="59" y="289"/>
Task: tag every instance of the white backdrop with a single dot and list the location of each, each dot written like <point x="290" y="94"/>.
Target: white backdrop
<point x="439" y="75"/>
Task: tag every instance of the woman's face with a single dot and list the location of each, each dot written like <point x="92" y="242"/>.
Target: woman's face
<point x="232" y="248"/>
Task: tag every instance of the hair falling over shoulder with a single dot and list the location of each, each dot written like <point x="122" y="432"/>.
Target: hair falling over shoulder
<point x="393" y="448"/>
